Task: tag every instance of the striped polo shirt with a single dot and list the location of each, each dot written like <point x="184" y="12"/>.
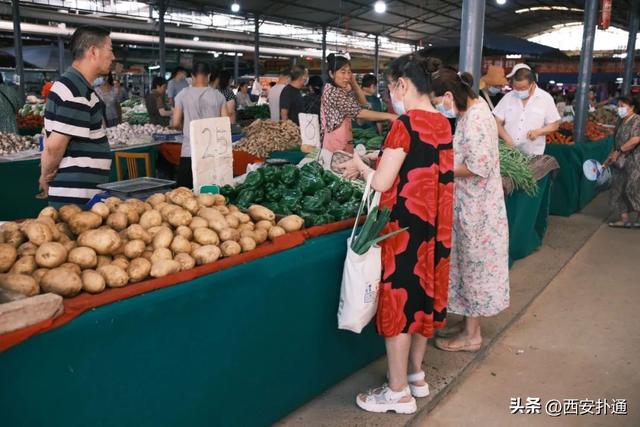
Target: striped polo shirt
<point x="75" y="110"/>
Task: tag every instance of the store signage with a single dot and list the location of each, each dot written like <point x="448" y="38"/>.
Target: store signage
<point x="309" y="129"/>
<point x="211" y="152"/>
<point x="605" y="14"/>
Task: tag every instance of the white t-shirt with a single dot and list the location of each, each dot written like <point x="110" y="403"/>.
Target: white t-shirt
<point x="197" y="103"/>
<point x="518" y="119"/>
<point x="274" y="101"/>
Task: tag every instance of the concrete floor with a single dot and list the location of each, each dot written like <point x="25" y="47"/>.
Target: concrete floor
<point x="559" y="347"/>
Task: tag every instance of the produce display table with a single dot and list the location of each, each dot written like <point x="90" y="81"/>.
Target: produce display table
<point x="571" y="191"/>
<point x="528" y="219"/>
<point x="240" y="347"/>
<point x="19" y="184"/>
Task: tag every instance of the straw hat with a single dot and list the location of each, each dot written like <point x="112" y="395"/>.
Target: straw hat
<point x="494" y="77"/>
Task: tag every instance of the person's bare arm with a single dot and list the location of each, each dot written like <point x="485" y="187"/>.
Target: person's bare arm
<point x="231" y="111"/>
<point x="461" y="171"/>
<point x="54" y="148"/>
<point x="386" y="173"/>
<point x="284" y="114"/>
<point x="502" y="132"/>
<point x="164" y="112"/>
<point x="176" y="121"/>
<point x="630" y="144"/>
<point x="357" y="90"/>
<point x="374" y="116"/>
<point x="543" y="131"/>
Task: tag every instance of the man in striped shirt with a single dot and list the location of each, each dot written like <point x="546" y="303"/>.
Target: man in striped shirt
<point x="76" y="156"/>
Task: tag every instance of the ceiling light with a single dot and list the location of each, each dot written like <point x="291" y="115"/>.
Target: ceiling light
<point x="552" y="82"/>
<point x="196" y="39"/>
<point x="380" y="7"/>
<point x="501" y="2"/>
<point x="235" y="7"/>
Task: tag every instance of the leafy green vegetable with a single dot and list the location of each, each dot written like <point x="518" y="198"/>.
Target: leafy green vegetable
<point x="515" y="165"/>
<point x="370" y="233"/>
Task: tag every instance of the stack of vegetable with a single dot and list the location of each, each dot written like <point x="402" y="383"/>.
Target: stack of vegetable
<point x="31" y="117"/>
<point x="315" y="194"/>
<point x="11" y="144"/>
<point x="134" y="111"/>
<point x="119" y="242"/>
<point x="126" y="134"/>
<point x="564" y="135"/>
<point x="266" y="136"/>
<point x="605" y="116"/>
<point x="254" y="112"/>
<point x="367" y="137"/>
<point x="515" y="165"/>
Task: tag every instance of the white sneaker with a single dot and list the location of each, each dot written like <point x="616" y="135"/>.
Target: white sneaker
<point x="418" y="390"/>
<point x="383" y="399"/>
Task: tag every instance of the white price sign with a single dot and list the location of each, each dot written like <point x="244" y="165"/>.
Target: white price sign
<point x="211" y="152"/>
<point x="309" y="129"/>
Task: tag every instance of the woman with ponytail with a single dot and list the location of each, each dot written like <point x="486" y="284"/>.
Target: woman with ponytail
<point x="342" y="101"/>
<point x="414" y="173"/>
<point x="479" y="285"/>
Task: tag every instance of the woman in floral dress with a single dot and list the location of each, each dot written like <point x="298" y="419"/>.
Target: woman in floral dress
<point x="479" y="276"/>
<point x="415" y="175"/>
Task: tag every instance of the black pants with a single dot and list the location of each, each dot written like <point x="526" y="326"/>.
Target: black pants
<point x="185" y="175"/>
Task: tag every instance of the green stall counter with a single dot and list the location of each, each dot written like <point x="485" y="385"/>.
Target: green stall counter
<point x="571" y="191"/>
<point x="19" y="185"/>
<point x="241" y="347"/>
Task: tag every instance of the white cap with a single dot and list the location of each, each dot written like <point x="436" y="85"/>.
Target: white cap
<point x="516" y="68"/>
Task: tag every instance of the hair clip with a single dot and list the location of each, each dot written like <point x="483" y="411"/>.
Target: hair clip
<point x="345" y="55"/>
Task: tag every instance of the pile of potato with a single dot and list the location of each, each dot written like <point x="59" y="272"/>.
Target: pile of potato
<point x="118" y="242"/>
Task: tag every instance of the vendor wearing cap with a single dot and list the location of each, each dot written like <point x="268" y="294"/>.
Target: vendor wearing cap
<point x="491" y="85"/>
<point x="526" y="114"/>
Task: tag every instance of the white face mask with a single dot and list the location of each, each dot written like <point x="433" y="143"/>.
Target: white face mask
<point x="622" y="112"/>
<point x="493" y="90"/>
<point x="449" y="114"/>
<point x="522" y="94"/>
<point x="398" y="106"/>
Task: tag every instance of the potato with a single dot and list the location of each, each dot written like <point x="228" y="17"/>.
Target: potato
<point x="229" y="234"/>
<point x="51" y="255"/>
<point x="9" y="226"/>
<point x="210" y="214"/>
<point x="25" y="265"/>
<point x="133" y="217"/>
<point x="163" y="238"/>
<point x="154" y="199"/>
<point x="147" y="255"/>
<point x="249" y="226"/>
<point x="233" y="208"/>
<point x="121" y="261"/>
<point x="92" y="282"/>
<point x="50" y="212"/>
<point x="242" y="217"/>
<point x="206" y="254"/>
<point x="64" y="228"/>
<point x="264" y="224"/>
<point x="180" y="195"/>
<point x="83" y="221"/>
<point x="101" y="209"/>
<point x="161" y="254"/>
<point x="39" y="274"/>
<point x="134" y="249"/>
<point x="205" y="236"/>
<point x="147" y="207"/>
<point x="113" y="203"/>
<point x="103" y="241"/>
<point x="179" y="217"/>
<point x="260" y="235"/>
<point x="117" y="220"/>
<point x="62" y="238"/>
<point x="206" y="200"/>
<point x="233" y="221"/>
<point x="62" y="282"/>
<point x="185" y="232"/>
<point x="150" y="219"/>
<point x="15" y="238"/>
<point x="158" y="207"/>
<point x="8" y="255"/>
<point x="198" y="222"/>
<point x="84" y="257"/>
<point x="139" y="269"/>
<point x="223" y="210"/>
<point x="55" y="233"/>
<point x="219" y="224"/>
<point x="164" y="267"/>
<point x="230" y="248"/>
<point x="137" y="232"/>
<point x="73" y="268"/>
<point x="219" y="200"/>
<point x="247" y="233"/>
<point x="69" y="245"/>
<point x="186" y="261"/>
<point x="169" y="207"/>
<point x="137" y="205"/>
<point x="194" y="246"/>
<point x="291" y="223"/>
<point x="21" y="283"/>
<point x="154" y="230"/>
<point x="191" y="205"/>
<point x="247" y="244"/>
<point x="276" y="232"/>
<point x="104" y="260"/>
<point x="180" y="244"/>
<point x="259" y="213"/>
<point x="114" y="276"/>
<point x="38" y="233"/>
<point x="67" y="211"/>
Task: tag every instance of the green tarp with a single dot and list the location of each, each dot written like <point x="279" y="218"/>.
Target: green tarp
<point x="571" y="191"/>
<point x="19" y="185"/>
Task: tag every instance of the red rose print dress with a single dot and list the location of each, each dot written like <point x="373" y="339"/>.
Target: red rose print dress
<point x="415" y="263"/>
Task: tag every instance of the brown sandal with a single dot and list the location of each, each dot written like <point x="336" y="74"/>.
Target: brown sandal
<point x="445" y="345"/>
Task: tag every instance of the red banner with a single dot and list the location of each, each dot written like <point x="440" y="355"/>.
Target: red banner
<point x="605" y="14"/>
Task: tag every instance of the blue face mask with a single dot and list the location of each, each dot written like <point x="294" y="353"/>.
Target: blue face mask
<point x="398" y="106"/>
<point x="522" y="94"/>
<point x="449" y="114"/>
<point x="622" y="112"/>
<point x="493" y="90"/>
<point x="98" y="82"/>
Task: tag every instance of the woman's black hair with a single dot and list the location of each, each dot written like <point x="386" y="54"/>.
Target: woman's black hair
<point x="460" y="85"/>
<point x="416" y="67"/>
<point x="315" y="84"/>
<point x="201" y="68"/>
<point x="177" y="70"/>
<point x="157" y="82"/>
<point x="334" y="63"/>
<point x="242" y="84"/>
<point x="110" y="78"/>
<point x="630" y="101"/>
<point x="225" y="79"/>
